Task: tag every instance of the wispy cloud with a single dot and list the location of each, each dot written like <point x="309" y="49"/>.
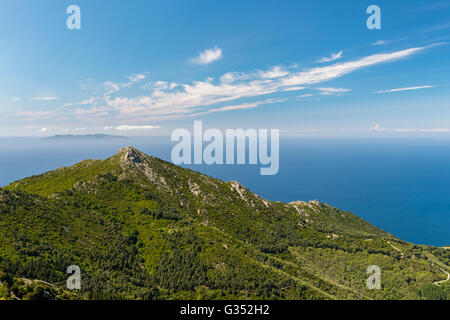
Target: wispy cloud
<point x="132" y="127"/>
<point x="45" y="97"/>
<point x="160" y="85"/>
<point x="162" y="102"/>
<point x="294" y="88"/>
<point x="242" y="106"/>
<point x="307" y="95"/>
<point x="333" y="57"/>
<point x="332" y="91"/>
<point x="94" y="111"/>
<point x="208" y="56"/>
<point x="275" y="72"/>
<point x="383" y="42"/>
<point x="272" y="73"/>
<point x="404" y="89"/>
<point x="241" y="85"/>
<point x="250" y="105"/>
<point x="377" y="127"/>
<point x="112" y="87"/>
<point x="89" y="101"/>
<point x="325" y="91"/>
<point x="133" y="79"/>
<point x="379" y="42"/>
<point x="37" y="114"/>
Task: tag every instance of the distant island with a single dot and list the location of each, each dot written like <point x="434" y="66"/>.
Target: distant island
<point x="86" y="137"/>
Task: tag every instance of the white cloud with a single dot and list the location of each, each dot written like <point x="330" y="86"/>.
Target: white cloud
<point x="45" y="97"/>
<point x="294" y="88"/>
<point x="235" y="76"/>
<point x="332" y="91"/>
<point x="405" y="89"/>
<point x="130" y="128"/>
<point x="44" y="129"/>
<point x="333" y="57"/>
<point x="379" y="43"/>
<point x="35" y="115"/>
<point x="308" y="95"/>
<point x="377" y="127"/>
<point x="93" y="111"/>
<point x="435" y="130"/>
<point x="112" y="87"/>
<point x="88" y="101"/>
<point x="250" y="105"/>
<point x="386" y="42"/>
<point x="275" y="72"/>
<point x="208" y="93"/>
<point x="208" y="56"/>
<point x="160" y="85"/>
<point x="334" y="71"/>
<point x="133" y="79"/>
<point x="164" y="103"/>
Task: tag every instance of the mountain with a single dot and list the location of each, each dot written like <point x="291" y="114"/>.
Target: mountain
<point x="142" y="228"/>
<point x="83" y="137"/>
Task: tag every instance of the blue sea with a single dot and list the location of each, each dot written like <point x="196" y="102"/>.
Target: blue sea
<point x="401" y="185"/>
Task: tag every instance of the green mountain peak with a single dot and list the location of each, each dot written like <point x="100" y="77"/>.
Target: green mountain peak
<point x="142" y="228"/>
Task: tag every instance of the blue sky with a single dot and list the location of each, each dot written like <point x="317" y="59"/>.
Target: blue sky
<point x="147" y="67"/>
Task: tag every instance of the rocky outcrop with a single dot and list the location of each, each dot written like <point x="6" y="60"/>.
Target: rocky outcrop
<point x="130" y="155"/>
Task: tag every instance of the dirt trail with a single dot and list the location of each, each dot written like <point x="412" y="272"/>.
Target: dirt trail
<point x="440" y="266"/>
<point x="438" y="283"/>
<point x="402" y="255"/>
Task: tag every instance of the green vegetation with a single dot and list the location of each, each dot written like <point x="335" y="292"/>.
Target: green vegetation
<point x="141" y="228"/>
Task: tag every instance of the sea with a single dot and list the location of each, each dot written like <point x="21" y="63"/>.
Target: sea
<point x="401" y="185"/>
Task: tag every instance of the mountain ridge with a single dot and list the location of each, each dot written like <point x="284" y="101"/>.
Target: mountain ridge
<point x="181" y="234"/>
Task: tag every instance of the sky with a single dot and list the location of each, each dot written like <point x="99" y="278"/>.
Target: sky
<point x="307" y="68"/>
